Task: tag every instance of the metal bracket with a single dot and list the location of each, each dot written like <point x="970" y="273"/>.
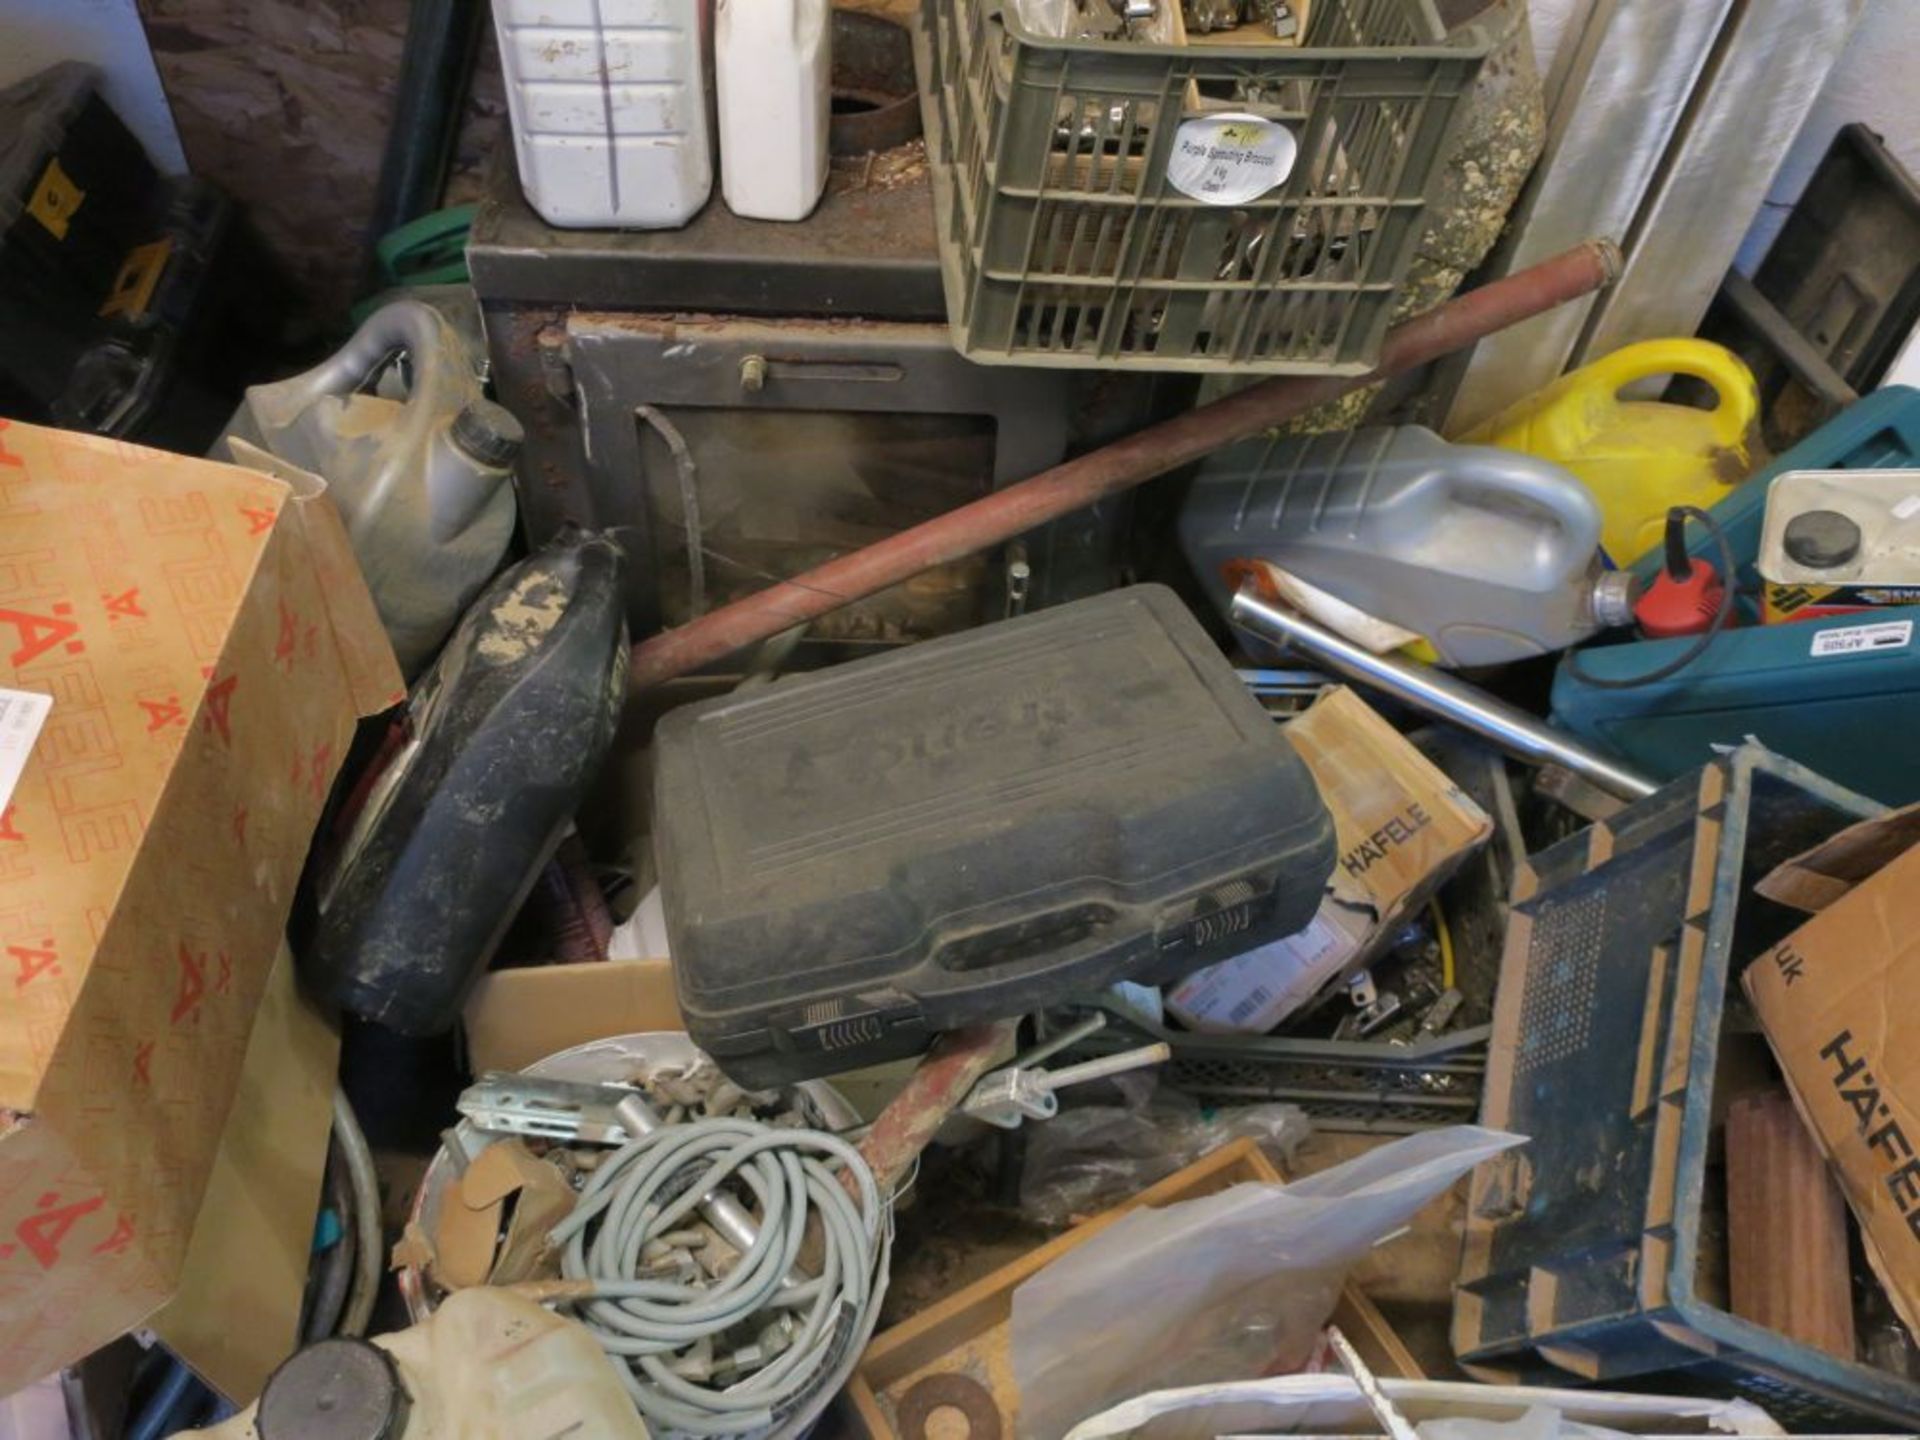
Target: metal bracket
<point x="565" y="1110"/>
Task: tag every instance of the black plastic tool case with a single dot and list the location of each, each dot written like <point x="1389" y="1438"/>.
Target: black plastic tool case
<point x="972" y="828"/>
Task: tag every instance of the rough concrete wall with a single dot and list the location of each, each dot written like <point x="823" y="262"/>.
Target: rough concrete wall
<point x="286" y="103"/>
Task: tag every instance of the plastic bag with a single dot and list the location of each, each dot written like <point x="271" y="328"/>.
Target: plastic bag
<point x="1226" y="1286"/>
<point x="1333" y="1405"/>
<point x="1087" y="1160"/>
<point x="1542" y="1422"/>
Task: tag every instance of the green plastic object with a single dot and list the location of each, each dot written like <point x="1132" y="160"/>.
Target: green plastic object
<point x="1064" y="241"/>
<point x="429" y="251"/>
<point x="1836" y="697"/>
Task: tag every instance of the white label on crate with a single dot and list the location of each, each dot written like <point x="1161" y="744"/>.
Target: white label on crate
<point x="22" y="713"/>
<point x="1230" y="159"/>
<point x="1907" y="508"/>
<point x="1858" y="639"/>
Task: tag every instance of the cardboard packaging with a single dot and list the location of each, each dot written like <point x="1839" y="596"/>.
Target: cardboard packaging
<point x="1403" y="828"/>
<point x="1839" y="1000"/>
<point x="236" y="1313"/>
<point x="515" y="1017"/>
<point x="208" y="646"/>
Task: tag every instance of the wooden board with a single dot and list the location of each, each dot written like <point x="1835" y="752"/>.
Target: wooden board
<point x="1786" y="1227"/>
<point x="967" y="1332"/>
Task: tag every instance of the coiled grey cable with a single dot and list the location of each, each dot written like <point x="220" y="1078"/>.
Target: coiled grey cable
<point x="645" y="1191"/>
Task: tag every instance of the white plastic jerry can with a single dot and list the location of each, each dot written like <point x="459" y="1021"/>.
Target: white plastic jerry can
<point x="773" y="68"/>
<point x="609" y="109"/>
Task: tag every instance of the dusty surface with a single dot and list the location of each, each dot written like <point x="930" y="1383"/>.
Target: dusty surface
<point x="533" y="607"/>
<point x="951" y="1234"/>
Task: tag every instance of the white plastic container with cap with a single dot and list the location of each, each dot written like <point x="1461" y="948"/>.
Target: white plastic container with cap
<point x="609" y="109"/>
<point x="773" y="69"/>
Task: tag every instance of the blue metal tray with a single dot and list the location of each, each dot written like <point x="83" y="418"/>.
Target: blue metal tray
<point x="1597" y="1250"/>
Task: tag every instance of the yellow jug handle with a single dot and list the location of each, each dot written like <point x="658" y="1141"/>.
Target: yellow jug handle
<point x="1732" y="382"/>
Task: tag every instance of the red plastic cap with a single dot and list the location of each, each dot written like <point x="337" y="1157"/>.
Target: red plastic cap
<point x="1670" y="607"/>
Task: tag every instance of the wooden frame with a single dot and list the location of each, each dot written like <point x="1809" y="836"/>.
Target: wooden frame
<point x="968" y="1329"/>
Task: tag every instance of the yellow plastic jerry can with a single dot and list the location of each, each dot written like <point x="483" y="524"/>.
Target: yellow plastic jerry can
<point x="1638" y="457"/>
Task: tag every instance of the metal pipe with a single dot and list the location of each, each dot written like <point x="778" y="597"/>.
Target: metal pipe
<point x="1103" y="1066"/>
<point x="430" y="97"/>
<point x="1508" y="727"/>
<point x="732" y="1220"/>
<point x="1127" y="462"/>
<point x="1070" y="1036"/>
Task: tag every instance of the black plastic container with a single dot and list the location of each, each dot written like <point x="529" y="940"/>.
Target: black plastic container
<point x="77" y="195"/>
<point x="973" y="828"/>
<point x="505" y="732"/>
<point x="171" y="351"/>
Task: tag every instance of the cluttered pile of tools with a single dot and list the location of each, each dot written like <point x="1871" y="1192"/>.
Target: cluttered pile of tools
<point x="821" y="870"/>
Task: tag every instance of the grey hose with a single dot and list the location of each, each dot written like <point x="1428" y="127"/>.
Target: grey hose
<point x="366" y="1216"/>
<point x="648" y="1188"/>
<point x="337" y="1267"/>
<point x="689" y="476"/>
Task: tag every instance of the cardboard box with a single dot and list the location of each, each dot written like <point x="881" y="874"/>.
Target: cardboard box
<point x="515" y="1017"/>
<point x="236" y="1313"/>
<point x="1403" y="828"/>
<point x="1839" y="1000"/>
<point x="208" y="645"/>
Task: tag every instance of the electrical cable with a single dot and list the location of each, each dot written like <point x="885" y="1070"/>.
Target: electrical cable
<point x="159" y="1417"/>
<point x="368" y="1249"/>
<point x="1693" y="652"/>
<point x="688" y="474"/>
<point x="661" y="1331"/>
<point x="328" y="1299"/>
<point x="1444" y="937"/>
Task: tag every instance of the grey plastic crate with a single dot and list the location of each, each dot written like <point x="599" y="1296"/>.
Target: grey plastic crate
<point x="1597" y="1249"/>
<point x="1062" y="242"/>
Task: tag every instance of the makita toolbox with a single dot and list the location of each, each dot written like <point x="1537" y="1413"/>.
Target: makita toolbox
<point x="972" y="828"/>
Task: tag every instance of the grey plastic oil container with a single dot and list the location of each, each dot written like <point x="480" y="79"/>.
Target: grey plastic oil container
<point x="1489" y="554"/>
<point x="424" y="484"/>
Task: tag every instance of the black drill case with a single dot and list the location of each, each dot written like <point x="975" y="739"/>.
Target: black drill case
<point x="971" y="828"/>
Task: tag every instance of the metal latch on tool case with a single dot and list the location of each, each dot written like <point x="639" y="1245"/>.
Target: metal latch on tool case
<point x="847" y="1024"/>
<point x="1219" y="915"/>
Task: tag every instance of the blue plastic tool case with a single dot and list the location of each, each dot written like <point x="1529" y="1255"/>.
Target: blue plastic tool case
<point x="1597" y="1250"/>
<point x="1847" y="716"/>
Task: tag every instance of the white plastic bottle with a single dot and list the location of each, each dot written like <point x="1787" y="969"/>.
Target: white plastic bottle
<point x="609" y="109"/>
<point x="773" y="67"/>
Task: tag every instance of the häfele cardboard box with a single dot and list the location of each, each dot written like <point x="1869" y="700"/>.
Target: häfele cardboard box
<point x="209" y="646"/>
<point x="236" y="1312"/>
<point x="1839" y="1000"/>
<point x="1402" y="826"/>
